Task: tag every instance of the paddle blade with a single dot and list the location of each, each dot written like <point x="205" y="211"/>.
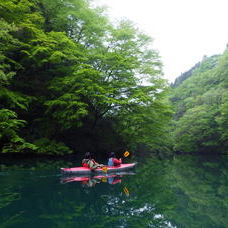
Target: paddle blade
<point x="126" y="191"/>
<point x="104" y="179"/>
<point x="105" y="169"/>
<point x="126" y="154"/>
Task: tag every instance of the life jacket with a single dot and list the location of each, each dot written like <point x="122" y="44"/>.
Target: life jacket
<point x="114" y="162"/>
<point x="89" y="163"/>
<point x="85" y="163"/>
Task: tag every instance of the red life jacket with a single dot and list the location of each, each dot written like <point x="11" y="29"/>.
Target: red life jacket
<point x="116" y="161"/>
<point x="85" y="165"/>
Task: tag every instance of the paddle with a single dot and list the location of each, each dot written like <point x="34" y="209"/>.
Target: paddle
<point x="126" y="191"/>
<point x="126" y="154"/>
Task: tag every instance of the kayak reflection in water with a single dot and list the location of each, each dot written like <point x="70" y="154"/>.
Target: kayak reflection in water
<point x="114" y="179"/>
<point x="92" y="181"/>
<point x="89" y="162"/>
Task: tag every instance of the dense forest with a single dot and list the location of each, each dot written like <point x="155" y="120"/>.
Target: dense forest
<point x="72" y="81"/>
<point x="200" y="99"/>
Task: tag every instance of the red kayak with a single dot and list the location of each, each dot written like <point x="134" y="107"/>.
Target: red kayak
<point x="110" y="169"/>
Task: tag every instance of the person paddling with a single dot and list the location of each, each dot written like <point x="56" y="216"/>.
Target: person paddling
<point x="113" y="161"/>
<point x="89" y="162"/>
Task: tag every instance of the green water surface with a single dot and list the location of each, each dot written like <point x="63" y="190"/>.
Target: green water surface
<point x="185" y="191"/>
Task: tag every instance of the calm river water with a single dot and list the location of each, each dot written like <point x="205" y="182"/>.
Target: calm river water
<point x="185" y="191"/>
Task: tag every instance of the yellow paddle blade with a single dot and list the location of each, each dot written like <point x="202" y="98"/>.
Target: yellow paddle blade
<point x="103" y="179"/>
<point x="126" y="191"/>
<point x="105" y="169"/>
<point x="126" y="154"/>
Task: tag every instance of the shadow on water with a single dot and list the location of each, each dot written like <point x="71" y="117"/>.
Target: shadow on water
<point x="186" y="191"/>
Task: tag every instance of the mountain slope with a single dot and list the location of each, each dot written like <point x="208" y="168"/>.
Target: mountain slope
<point x="201" y="107"/>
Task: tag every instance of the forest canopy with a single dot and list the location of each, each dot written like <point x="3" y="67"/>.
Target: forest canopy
<point x="70" y="80"/>
<point x="201" y="107"/>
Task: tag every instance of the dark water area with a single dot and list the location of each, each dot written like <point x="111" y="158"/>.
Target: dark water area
<point x="184" y="191"/>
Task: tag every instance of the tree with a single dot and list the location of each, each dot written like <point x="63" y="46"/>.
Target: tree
<point x="74" y="71"/>
<point x="11" y="101"/>
<point x="200" y="108"/>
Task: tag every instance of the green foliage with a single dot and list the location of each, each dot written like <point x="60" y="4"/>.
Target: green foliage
<point x="223" y="121"/>
<point x="10" y="101"/>
<point x="201" y="108"/>
<point x="65" y="68"/>
<point x="9" y="123"/>
<point x="9" y="127"/>
<point x="46" y="146"/>
<point x="206" y="64"/>
<point x="195" y="131"/>
<point x="146" y="125"/>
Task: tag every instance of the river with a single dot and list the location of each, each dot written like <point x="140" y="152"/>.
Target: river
<point x="184" y="191"/>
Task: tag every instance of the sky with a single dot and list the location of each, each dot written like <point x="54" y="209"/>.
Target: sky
<point x="183" y="30"/>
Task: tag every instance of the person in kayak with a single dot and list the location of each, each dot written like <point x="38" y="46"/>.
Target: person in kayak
<point x="113" y="161"/>
<point x="89" y="162"/>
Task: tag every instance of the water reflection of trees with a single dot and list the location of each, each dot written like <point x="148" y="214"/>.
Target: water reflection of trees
<point x="184" y="192"/>
<point x="200" y="185"/>
<point x="110" y="206"/>
<point x="8" y="196"/>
